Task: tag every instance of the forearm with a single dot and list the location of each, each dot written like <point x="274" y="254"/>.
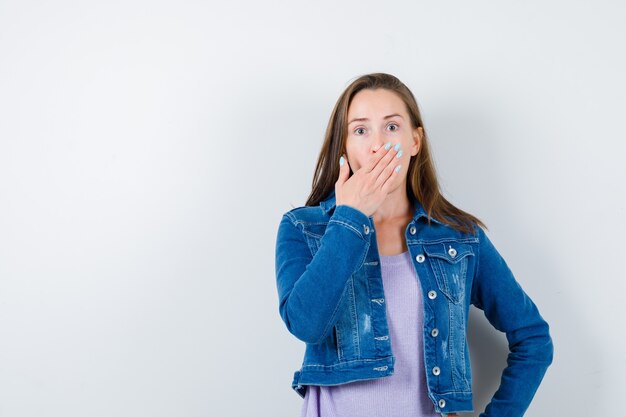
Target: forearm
<point x="526" y="366"/>
<point x="311" y="290"/>
<point x="510" y="310"/>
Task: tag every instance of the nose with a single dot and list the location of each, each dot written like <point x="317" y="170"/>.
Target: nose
<point x="377" y="143"/>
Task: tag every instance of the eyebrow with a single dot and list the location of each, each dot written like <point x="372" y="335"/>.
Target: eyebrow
<point x="365" y="119"/>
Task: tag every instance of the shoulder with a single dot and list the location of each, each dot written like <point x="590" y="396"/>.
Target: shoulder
<point x="300" y="225"/>
<point x="306" y="214"/>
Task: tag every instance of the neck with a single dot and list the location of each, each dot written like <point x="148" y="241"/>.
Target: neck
<point x="395" y="207"/>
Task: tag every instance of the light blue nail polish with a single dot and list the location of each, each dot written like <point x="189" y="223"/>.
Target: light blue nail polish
<point x="387" y="146"/>
<point x="398" y="168"/>
<point x="399" y="154"/>
<point x="397" y="147"/>
<point x="341" y="161"/>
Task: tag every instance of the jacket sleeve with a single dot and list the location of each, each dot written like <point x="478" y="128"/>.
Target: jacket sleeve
<point x="310" y="288"/>
<point x="510" y="310"/>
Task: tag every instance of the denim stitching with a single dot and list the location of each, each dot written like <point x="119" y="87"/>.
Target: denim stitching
<point x="443" y="281"/>
<point x="339" y="349"/>
<point x="461" y="349"/>
<point x="313" y="246"/>
<point x="443" y="240"/>
<point x="451" y="329"/>
<point x="467" y="251"/>
<point x="346" y="362"/>
<point x="348" y="225"/>
<point x="292" y="218"/>
<point x="355" y="318"/>
<point x="313" y="235"/>
<point x="453" y="392"/>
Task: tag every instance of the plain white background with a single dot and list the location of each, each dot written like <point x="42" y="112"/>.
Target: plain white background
<point x="149" y="148"/>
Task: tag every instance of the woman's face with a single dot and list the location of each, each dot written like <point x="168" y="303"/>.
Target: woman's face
<point x="376" y="117"/>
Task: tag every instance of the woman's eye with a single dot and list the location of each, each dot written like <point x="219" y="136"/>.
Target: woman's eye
<point x="395" y="127"/>
<point x="359" y="131"/>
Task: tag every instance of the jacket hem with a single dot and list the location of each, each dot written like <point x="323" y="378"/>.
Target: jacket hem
<point x="341" y="373"/>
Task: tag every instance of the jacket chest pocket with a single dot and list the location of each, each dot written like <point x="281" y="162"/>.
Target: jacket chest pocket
<point x="449" y="263"/>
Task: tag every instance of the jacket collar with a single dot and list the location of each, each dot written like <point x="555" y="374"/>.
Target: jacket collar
<point x="328" y="204"/>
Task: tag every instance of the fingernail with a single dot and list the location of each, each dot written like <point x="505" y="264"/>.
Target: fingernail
<point x="398" y="168"/>
<point x="341" y="161"/>
<point x="387" y="146"/>
<point x="397" y="147"/>
<point x="399" y="154"/>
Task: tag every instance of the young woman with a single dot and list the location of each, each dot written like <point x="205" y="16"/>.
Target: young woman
<point x="377" y="271"/>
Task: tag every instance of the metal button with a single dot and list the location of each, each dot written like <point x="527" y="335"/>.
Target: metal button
<point x="412" y="230"/>
<point x="432" y="294"/>
<point x="442" y="403"/>
<point x="436" y="370"/>
<point x="434" y="332"/>
<point x="452" y="252"/>
<point x="366" y="229"/>
<point x="420" y="258"/>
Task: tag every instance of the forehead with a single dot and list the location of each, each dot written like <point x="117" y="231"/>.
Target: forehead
<point x="375" y="103"/>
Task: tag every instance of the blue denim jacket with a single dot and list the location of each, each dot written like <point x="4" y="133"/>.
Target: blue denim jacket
<point x="329" y="283"/>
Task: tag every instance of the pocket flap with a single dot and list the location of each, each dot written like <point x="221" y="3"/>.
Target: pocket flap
<point x="451" y="252"/>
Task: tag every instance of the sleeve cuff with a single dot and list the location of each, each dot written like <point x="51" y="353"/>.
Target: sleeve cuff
<point x="353" y="219"/>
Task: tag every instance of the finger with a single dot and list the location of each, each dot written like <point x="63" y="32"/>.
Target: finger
<point x="384" y="163"/>
<point x="344" y="170"/>
<point x="378" y="155"/>
<point x="385" y="179"/>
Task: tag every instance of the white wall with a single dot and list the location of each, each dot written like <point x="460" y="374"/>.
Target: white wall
<point x="149" y="148"/>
